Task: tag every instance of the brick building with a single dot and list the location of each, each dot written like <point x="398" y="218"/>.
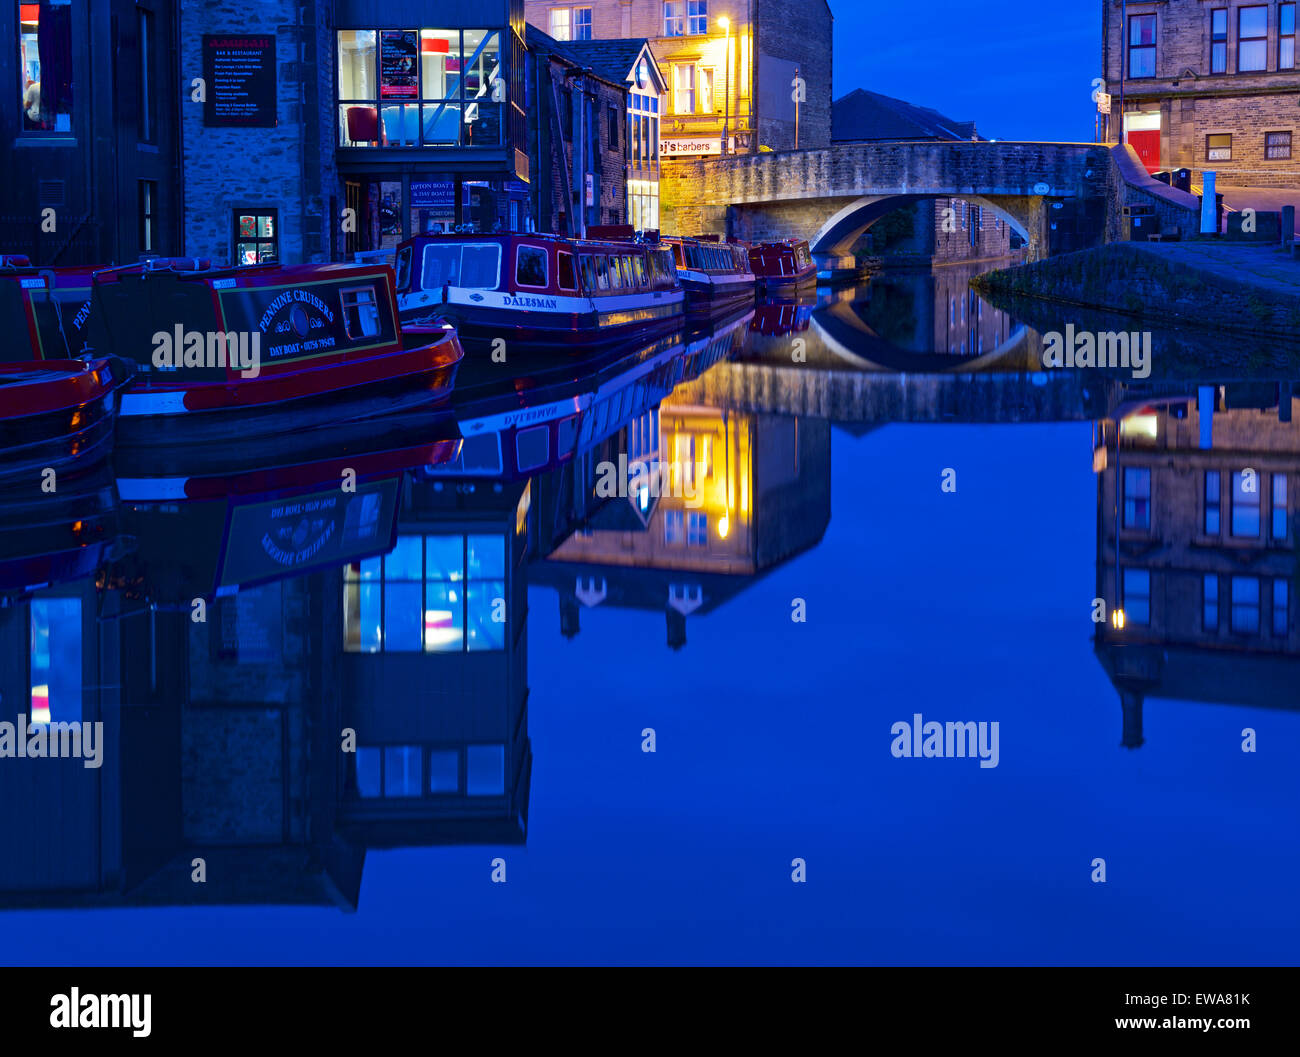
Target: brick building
<point x="1206" y="86"/>
<point x="729" y="64"/>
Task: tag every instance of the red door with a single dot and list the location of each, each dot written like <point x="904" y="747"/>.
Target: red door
<point x="1147" y="145"/>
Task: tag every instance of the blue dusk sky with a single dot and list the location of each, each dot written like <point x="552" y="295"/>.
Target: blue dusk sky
<point x="1018" y="70"/>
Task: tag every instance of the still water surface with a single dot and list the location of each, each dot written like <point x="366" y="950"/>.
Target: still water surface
<point x="502" y="636"/>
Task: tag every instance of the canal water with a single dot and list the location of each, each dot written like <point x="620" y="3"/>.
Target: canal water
<point x="522" y="703"/>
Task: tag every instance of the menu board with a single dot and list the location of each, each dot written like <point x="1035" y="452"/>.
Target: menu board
<point x="399" y="50"/>
<point x="239" y="72"/>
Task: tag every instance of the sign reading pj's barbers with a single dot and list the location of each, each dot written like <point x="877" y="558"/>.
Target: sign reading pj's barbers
<point x="240" y="73"/>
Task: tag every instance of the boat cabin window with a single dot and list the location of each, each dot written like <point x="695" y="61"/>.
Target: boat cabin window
<point x="638" y="266"/>
<point x="677" y="255"/>
<point x="625" y="263"/>
<point x="587" y="266"/>
<point x="602" y="272"/>
<point x="564" y="266"/>
<point x="360" y="311"/>
<point x="473" y="265"/>
<point x="530" y="266"/>
<point x="404" y="268"/>
<point x="615" y="276"/>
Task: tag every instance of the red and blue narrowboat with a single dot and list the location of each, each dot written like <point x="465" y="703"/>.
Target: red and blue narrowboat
<point x="716" y="275"/>
<point x="543" y="291"/>
<point x="217" y="350"/>
<point x="783" y="267"/>
<point x="50" y="307"/>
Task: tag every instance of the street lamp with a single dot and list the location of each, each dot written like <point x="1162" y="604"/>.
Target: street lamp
<point x="725" y="23"/>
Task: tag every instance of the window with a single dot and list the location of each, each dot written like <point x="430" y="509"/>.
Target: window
<point x="396" y="771"/>
<point x="402" y="770"/>
<point x="1286" y="36"/>
<point x="1218" y="147"/>
<point x="684" y="88"/>
<point x="256" y="238"/>
<point x="1281" y="607"/>
<point x="1277" y="145"/>
<point x="430" y="594"/>
<point x="674" y="18"/>
<point x="1279" y="506"/>
<point x="582" y="23"/>
<point x="474" y="266"/>
<point x="485" y="770"/>
<point x="1252" y="39"/>
<point x="1137" y="596"/>
<point x="1219" y="40"/>
<point x="602" y="272"/>
<point x="611" y="118"/>
<point x="1245" y="605"/>
<point x="1211" y="502"/>
<point x="148" y="204"/>
<point x="360" y="312"/>
<point x="697" y="528"/>
<point x="674" y="526"/>
<point x="444" y="771"/>
<point x="1137" y="498"/>
<point x="407" y="87"/>
<point x="706" y="89"/>
<point x="1245" y="504"/>
<point x="55" y="660"/>
<point x="1142" y="46"/>
<point x="1210" y="602"/>
<point x="45" y="65"/>
<point x="148" y="102"/>
<point x="697" y="16"/>
<point x="564" y="266"/>
<point x="530" y="266"/>
<point x="560" y="23"/>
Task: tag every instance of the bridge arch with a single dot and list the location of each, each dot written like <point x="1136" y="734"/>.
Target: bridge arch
<point x="837" y="235"/>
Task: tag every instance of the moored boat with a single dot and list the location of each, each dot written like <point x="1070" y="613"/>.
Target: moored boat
<point x="55" y="415"/>
<point x="49" y="307"/>
<point x="782" y="267"/>
<point x="716" y="275"/>
<point x="543" y="291"/>
<point x="217" y="350"/>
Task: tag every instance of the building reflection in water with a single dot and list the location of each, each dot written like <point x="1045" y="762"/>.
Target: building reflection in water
<point x="1197" y="550"/>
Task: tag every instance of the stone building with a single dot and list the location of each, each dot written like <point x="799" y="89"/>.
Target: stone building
<point x="1206" y="86"/>
<point x="731" y="66"/>
<point x="588" y="131"/>
<point x="1196" y="548"/>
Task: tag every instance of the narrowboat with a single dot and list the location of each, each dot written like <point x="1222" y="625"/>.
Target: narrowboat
<point x="716" y="275"/>
<point x="541" y="291"/>
<point x="49" y="307"/>
<point x="782" y="267"/>
<point x="55" y="415"/>
<point x="217" y="350"/>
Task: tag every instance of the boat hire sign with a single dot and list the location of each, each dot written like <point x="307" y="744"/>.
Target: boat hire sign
<point x="239" y="76"/>
<point x="301" y="322"/>
<point x="398" y="52"/>
<point x="329" y="528"/>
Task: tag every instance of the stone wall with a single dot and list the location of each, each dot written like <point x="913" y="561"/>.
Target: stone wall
<point x="289" y="167"/>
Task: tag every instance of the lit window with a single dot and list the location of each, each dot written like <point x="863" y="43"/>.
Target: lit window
<point x="45" y="65"/>
<point x="148" y="200"/>
<point x="1137" y="596"/>
<point x="1137" y="498"/>
<point x="1245" y="605"/>
<point x="1245" y="504"/>
<point x="256" y="238"/>
<point x="1210" y="602"/>
<point x="1277" y="145"/>
<point x="1218" y="147"/>
<point x="684" y="88"/>
<point x="706" y="89"/>
<point x="560" y="23"/>
<point x="1252" y="39"/>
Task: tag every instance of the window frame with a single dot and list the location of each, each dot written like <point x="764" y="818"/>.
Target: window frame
<point x="677" y="20"/>
<point x="1245" y="606"/>
<point x="1137" y="517"/>
<point x="1209" y="580"/>
<point x="1283" y="37"/>
<point x="1218" y="42"/>
<point x="1243" y="40"/>
<point x="1269" y="148"/>
<point x="1131" y="48"/>
<point x="1257" y="506"/>
<point x="256" y="212"/>
<point x="1209" y="149"/>
<point x="1212" y="505"/>
<point x="1126" y="594"/>
<point x="546" y="266"/>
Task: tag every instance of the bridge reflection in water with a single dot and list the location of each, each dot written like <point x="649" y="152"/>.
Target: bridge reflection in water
<point x="359" y="678"/>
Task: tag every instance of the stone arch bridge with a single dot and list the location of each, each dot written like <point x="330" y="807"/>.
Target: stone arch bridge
<point x="830" y="196"/>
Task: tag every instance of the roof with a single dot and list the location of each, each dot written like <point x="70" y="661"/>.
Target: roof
<point x="613" y="61"/>
<point x="863" y="115"/>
